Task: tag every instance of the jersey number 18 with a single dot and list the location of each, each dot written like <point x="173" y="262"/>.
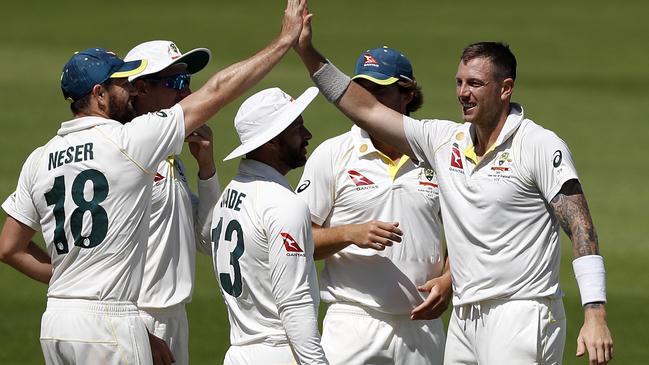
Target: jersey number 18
<point x="56" y="197"/>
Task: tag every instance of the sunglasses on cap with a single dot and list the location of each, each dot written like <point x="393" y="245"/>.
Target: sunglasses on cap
<point x="177" y="82"/>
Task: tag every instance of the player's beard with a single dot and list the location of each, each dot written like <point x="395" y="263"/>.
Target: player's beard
<point x="291" y="156"/>
<point x="119" y="111"/>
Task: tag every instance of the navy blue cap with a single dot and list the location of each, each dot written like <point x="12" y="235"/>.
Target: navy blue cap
<point x="91" y="67"/>
<point x="383" y="66"/>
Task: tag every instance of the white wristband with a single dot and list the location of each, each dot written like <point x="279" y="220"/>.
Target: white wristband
<point x="591" y="278"/>
<point x="331" y="81"/>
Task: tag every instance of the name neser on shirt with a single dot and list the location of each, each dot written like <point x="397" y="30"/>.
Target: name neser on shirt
<point x="77" y="153"/>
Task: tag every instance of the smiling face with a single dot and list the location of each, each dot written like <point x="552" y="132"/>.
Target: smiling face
<point x="482" y="96"/>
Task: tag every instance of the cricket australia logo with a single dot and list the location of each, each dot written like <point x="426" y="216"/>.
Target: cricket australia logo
<point x="361" y="181"/>
<point x="501" y="166"/>
<point x="427" y="178"/>
<point x="456" y="159"/>
<point x="291" y="246"/>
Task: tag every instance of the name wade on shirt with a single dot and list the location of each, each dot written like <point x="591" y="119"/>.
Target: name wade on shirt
<point x="232" y="199"/>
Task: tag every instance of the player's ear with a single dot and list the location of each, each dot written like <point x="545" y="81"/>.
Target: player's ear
<point x="140" y="86"/>
<point x="507" y="88"/>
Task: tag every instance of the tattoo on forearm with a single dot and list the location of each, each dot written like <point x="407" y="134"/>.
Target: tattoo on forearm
<point x="571" y="210"/>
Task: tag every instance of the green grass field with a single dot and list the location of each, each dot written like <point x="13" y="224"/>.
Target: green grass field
<point x="582" y="73"/>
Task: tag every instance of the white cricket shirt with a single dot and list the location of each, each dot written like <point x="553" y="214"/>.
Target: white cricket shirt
<point x="346" y="180"/>
<point x="180" y="224"/>
<point x="502" y="237"/>
<point x="89" y="191"/>
<point x="263" y="259"/>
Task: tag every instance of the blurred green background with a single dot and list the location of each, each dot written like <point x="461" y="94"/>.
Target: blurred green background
<point x="582" y="73"/>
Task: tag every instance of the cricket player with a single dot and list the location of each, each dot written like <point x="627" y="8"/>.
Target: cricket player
<point x="180" y="220"/>
<point x="362" y="193"/>
<point x="89" y="191"/>
<point x="263" y="246"/>
<point x="506" y="186"/>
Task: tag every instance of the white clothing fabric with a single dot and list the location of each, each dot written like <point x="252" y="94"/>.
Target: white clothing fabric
<point x="76" y="331"/>
<point x="503" y="239"/>
<point x="170" y="324"/>
<point x="180" y="225"/>
<point x="356" y="335"/>
<point x="89" y="190"/>
<point x="263" y="259"/>
<point x="347" y="181"/>
<point x="499" y="332"/>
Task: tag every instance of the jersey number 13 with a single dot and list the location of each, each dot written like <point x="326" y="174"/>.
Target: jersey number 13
<point x="230" y="285"/>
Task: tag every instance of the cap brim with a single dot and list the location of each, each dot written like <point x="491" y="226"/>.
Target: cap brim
<point x="130" y="68"/>
<point x="377" y="78"/>
<point x="283" y="120"/>
<point x="196" y="59"/>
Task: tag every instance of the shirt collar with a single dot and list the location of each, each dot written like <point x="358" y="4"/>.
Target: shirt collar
<point x="513" y="121"/>
<point x="260" y="169"/>
<point x="79" y="124"/>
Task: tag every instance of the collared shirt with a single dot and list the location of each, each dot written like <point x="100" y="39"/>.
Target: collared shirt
<point x="263" y="258"/>
<point x="348" y="181"/>
<point x="89" y="190"/>
<point x="503" y="240"/>
<point x="180" y="225"/>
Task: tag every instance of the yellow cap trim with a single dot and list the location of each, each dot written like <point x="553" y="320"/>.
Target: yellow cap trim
<point x="121" y="74"/>
<point x="389" y="81"/>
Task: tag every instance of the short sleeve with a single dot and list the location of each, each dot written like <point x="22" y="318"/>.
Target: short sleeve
<point x="317" y="185"/>
<point x="550" y="162"/>
<point x="425" y="137"/>
<point x="20" y="204"/>
<point x="154" y="136"/>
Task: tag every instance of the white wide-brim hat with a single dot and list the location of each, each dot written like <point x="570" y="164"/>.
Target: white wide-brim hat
<point x="162" y="54"/>
<point x="265" y="115"/>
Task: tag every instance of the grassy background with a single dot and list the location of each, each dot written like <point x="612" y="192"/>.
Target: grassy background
<point x="582" y="73"/>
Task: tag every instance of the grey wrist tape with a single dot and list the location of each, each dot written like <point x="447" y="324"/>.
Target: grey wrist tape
<point x="331" y="81"/>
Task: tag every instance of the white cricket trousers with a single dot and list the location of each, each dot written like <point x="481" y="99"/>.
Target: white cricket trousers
<point x="355" y="334"/>
<point x="497" y="332"/>
<point x="77" y="331"/>
<point x="258" y="354"/>
<point x="170" y="324"/>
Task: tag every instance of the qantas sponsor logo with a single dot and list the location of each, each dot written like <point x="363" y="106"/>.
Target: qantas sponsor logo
<point x="370" y="61"/>
<point x="291" y="246"/>
<point x="361" y="181"/>
<point x="456" y="159"/>
<point x="158" y="177"/>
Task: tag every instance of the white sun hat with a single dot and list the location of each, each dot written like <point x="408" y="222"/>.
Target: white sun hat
<point x="162" y="54"/>
<point x="265" y="115"/>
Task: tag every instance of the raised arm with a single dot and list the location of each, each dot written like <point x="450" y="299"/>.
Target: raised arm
<point x="18" y="251"/>
<point x="228" y="84"/>
<point x="355" y="102"/>
<point x="571" y="209"/>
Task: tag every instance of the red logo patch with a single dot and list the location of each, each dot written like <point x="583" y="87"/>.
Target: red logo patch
<point x="158" y="177"/>
<point x="369" y="60"/>
<point x="358" y="179"/>
<point x="290" y="244"/>
<point x="456" y="158"/>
